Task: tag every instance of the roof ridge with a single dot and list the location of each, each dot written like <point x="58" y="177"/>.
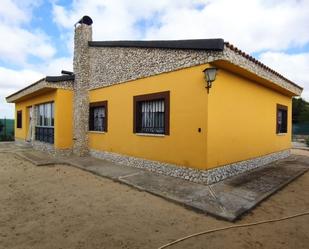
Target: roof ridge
<point x="195" y="44"/>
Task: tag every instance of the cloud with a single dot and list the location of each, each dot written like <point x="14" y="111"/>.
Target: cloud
<point x="293" y="66"/>
<point x="266" y="28"/>
<point x="255" y="25"/>
<point x="11" y="81"/>
<point x="17" y="43"/>
<point x="14" y="80"/>
<point x="54" y="66"/>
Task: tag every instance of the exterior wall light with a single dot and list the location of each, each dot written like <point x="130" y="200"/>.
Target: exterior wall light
<point x="210" y="76"/>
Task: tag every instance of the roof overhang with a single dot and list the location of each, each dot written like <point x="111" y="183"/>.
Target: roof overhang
<point x="239" y="62"/>
<point x="243" y="72"/>
<point x="42" y="86"/>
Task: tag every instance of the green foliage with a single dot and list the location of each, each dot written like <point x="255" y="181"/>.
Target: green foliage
<point x="307" y="141"/>
<point x="300" y="110"/>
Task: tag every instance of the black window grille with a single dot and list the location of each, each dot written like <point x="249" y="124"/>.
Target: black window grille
<point x="151" y="117"/>
<point x="282" y="119"/>
<point x="98" y="116"/>
<point x="151" y="113"/>
<point x="19" y="119"/>
<point x="44" y="134"/>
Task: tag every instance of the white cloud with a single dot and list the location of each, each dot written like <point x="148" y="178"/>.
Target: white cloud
<point x="17" y="43"/>
<point x="11" y="81"/>
<point x="254" y="26"/>
<point x="293" y="66"/>
<point x="14" y="80"/>
<point x="54" y="66"/>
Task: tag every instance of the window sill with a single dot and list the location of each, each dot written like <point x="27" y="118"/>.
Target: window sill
<point x="281" y="134"/>
<point x="99" y="132"/>
<point x="150" y="135"/>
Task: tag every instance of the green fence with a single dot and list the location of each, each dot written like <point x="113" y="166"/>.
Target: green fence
<point x="301" y="129"/>
<point x="6" y="130"/>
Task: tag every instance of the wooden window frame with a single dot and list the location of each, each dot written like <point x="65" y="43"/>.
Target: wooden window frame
<point x="98" y="104"/>
<point x="148" y="97"/>
<point x="19" y="119"/>
<point x="285" y="108"/>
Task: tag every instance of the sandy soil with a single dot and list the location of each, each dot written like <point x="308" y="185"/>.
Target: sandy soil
<point x="62" y="207"/>
<point x="300" y="152"/>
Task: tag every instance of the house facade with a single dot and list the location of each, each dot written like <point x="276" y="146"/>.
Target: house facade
<point x="145" y="104"/>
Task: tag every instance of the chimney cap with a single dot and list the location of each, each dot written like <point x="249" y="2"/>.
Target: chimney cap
<point x="66" y="72"/>
<point x="85" y="20"/>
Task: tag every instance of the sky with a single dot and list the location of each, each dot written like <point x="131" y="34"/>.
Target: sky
<point x="37" y="35"/>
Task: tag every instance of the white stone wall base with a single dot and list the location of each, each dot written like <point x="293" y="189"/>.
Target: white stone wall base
<point x="194" y="175"/>
<point x="50" y="149"/>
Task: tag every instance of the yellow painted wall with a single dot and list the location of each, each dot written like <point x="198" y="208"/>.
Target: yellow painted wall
<point x="23" y="106"/>
<point x="242" y="120"/>
<point x="63" y="101"/>
<point x="64" y="119"/>
<point x="237" y="118"/>
<point x="184" y="146"/>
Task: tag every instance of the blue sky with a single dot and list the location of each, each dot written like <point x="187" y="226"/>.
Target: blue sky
<point x="37" y="35"/>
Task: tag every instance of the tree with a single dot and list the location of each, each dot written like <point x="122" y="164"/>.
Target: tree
<point x="300" y="110"/>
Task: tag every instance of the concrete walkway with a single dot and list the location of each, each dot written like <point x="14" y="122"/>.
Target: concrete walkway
<point x="228" y="199"/>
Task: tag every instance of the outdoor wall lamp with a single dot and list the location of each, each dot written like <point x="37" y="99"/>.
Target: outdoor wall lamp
<point x="210" y="76"/>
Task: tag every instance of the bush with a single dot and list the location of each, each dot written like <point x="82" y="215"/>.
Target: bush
<point x="307" y="141"/>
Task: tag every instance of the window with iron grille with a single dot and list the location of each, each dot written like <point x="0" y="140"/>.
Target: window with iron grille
<point x="44" y="129"/>
<point x="282" y="119"/>
<point x="19" y="119"/>
<point x="98" y="116"/>
<point x="151" y="113"/>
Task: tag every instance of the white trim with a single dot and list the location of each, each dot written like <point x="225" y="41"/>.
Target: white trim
<point x="150" y="135"/>
<point x="99" y="132"/>
<point x="281" y="134"/>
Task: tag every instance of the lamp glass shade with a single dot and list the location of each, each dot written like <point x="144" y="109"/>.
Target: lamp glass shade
<point x="210" y="74"/>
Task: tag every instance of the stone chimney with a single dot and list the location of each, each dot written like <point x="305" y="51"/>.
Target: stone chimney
<point x="81" y="67"/>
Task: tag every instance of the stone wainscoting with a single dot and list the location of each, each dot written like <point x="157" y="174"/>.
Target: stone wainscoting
<point x="50" y="149"/>
<point x="194" y="175"/>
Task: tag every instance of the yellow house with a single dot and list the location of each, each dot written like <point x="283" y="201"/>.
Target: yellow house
<point x="202" y="110"/>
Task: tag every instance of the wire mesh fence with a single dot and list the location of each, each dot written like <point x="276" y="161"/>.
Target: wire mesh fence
<point x="6" y="129"/>
<point x="301" y="129"/>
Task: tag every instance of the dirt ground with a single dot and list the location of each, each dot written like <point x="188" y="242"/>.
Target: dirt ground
<point x="62" y="207"/>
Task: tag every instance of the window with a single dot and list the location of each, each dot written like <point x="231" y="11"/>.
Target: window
<point x="19" y="119"/>
<point x="282" y="119"/>
<point x="44" y="130"/>
<point x="45" y="114"/>
<point x="98" y="116"/>
<point x="151" y="113"/>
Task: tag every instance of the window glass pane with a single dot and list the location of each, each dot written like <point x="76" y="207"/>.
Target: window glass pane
<point x="152" y="116"/>
<point x="45" y="114"/>
<point x="48" y="114"/>
<point x="37" y="110"/>
<point x="282" y="120"/>
<point x="98" y="118"/>
<point x="41" y="116"/>
<point x="52" y="114"/>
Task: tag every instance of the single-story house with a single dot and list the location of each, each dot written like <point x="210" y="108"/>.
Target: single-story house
<point x="178" y="107"/>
